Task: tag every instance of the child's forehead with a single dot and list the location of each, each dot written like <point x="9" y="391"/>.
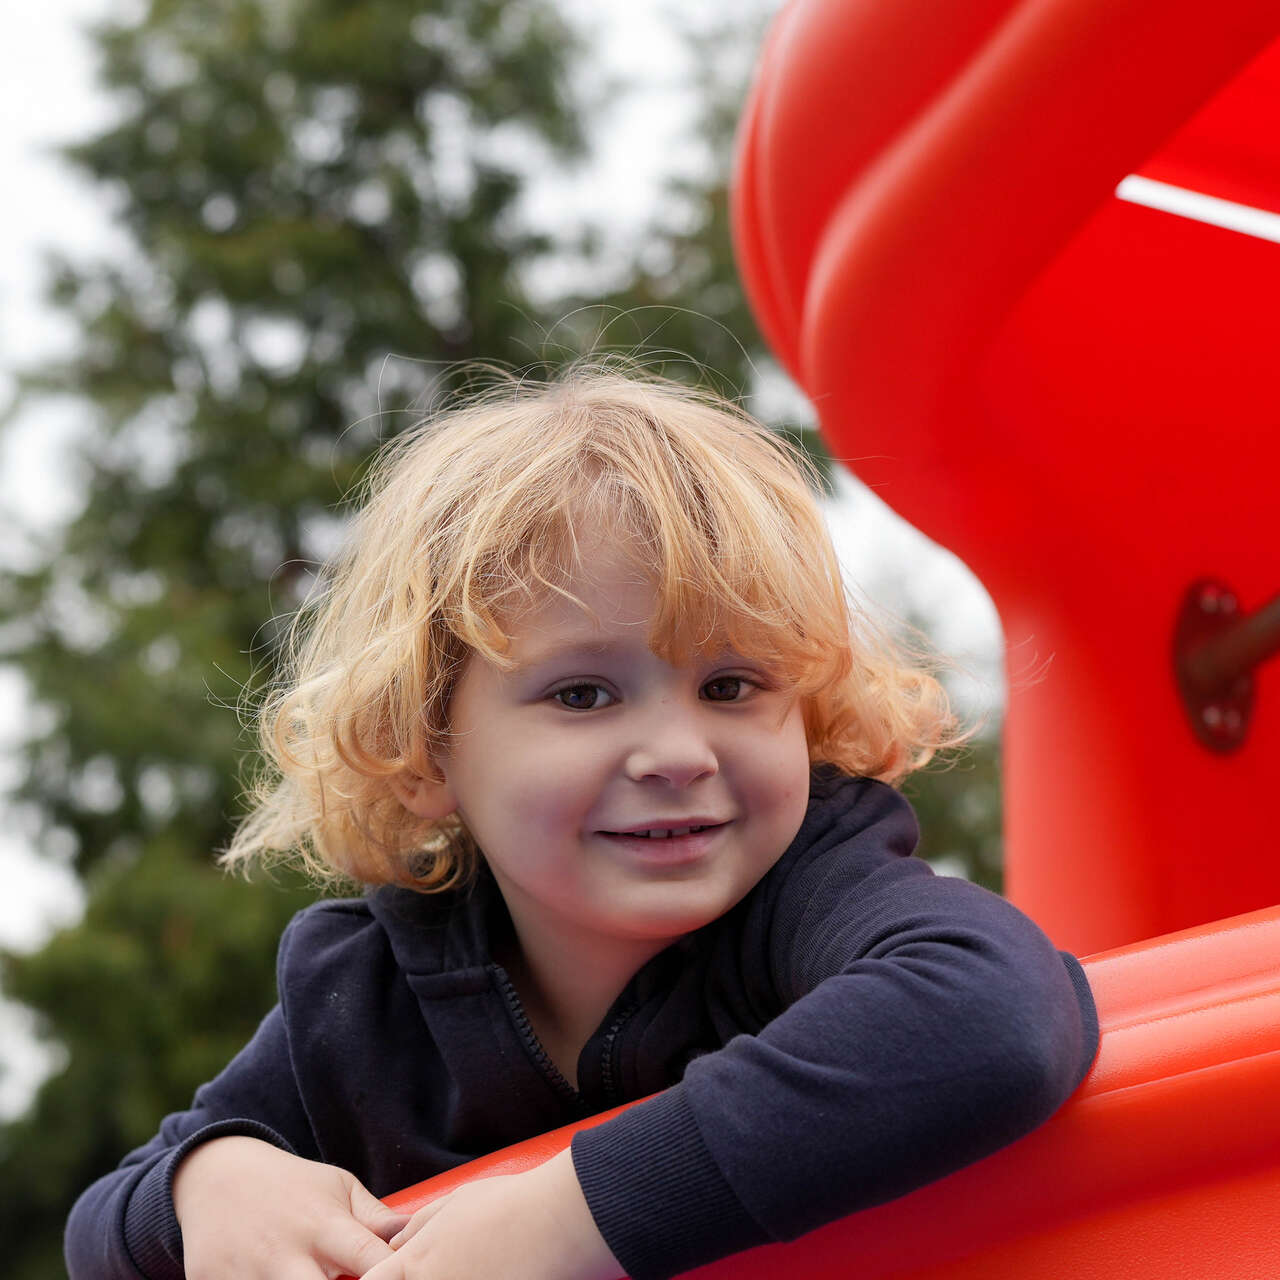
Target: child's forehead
<point x="594" y="572"/>
<point x="603" y="594"/>
<point x="617" y="617"/>
<point x="584" y="555"/>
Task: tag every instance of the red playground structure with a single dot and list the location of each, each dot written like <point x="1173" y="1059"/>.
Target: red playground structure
<point x="1024" y="256"/>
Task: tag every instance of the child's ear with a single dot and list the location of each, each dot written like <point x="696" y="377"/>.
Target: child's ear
<point x="424" y="797"/>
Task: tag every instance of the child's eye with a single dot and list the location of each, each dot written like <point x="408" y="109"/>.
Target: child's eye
<point x="583" y="697"/>
<point x="725" y="688"/>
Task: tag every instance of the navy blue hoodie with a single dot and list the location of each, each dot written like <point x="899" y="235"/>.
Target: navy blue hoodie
<point x="854" y="1028"/>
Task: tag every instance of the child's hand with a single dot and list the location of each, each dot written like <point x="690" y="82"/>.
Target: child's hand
<point x="252" y="1211"/>
<point x="523" y="1226"/>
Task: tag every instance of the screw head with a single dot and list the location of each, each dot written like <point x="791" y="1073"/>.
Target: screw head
<point x="1219" y="717"/>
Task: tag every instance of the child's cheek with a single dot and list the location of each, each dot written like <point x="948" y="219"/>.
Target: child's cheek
<point x="551" y="790"/>
<point x="791" y="778"/>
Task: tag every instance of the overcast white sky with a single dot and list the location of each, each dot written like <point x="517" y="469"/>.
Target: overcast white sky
<point x="47" y="94"/>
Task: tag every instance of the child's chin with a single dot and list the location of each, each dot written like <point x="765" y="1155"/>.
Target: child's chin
<point x="687" y="908"/>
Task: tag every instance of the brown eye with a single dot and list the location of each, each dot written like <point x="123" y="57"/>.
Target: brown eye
<point x="723" y="689"/>
<point x="582" y="697"/>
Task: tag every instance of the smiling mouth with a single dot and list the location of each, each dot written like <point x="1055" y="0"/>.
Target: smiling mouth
<point x="666" y="833"/>
<point x="659" y="834"/>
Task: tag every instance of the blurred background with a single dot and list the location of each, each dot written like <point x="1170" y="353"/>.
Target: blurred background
<point x="243" y="242"/>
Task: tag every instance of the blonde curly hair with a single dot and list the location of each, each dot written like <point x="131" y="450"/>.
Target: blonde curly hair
<point x="471" y="518"/>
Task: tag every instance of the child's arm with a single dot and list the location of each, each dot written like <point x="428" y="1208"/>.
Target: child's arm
<point x="126" y="1224"/>
<point x="248" y="1119"/>
<point x="924" y="1024"/>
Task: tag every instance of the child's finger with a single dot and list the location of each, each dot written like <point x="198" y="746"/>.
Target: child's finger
<point x="351" y="1248"/>
<point x="370" y="1212"/>
<point x="392" y="1227"/>
<point x="418" y="1221"/>
<point x="393" y="1269"/>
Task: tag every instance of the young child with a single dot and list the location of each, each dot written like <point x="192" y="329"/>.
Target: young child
<point x="585" y="706"/>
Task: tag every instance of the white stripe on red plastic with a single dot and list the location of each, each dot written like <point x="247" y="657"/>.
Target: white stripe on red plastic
<point x="1200" y="208"/>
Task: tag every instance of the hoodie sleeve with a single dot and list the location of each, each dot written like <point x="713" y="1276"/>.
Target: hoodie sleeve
<point x="123" y="1227"/>
<point x="923" y="1023"/>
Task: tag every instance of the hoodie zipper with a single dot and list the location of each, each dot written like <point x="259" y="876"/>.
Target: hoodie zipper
<point x="610" y="1085"/>
<point x="531" y="1041"/>
<point x="609" y="1066"/>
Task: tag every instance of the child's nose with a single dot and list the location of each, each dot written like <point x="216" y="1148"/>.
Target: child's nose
<point x="672" y="747"/>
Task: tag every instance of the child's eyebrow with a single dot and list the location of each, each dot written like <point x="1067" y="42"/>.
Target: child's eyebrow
<point x="572" y="651"/>
<point x="567" y="652"/>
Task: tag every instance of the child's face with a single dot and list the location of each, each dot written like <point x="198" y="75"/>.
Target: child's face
<point x="592" y="738"/>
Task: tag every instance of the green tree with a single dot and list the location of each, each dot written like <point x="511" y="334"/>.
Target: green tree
<point x="308" y="185"/>
<point x="959" y="806"/>
<point x="682" y="306"/>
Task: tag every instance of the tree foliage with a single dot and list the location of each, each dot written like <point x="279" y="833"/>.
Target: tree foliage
<point x="310" y="187"/>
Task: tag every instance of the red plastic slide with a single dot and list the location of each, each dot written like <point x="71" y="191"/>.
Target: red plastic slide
<point x="1075" y="392"/>
<point x="1162" y="1167"/>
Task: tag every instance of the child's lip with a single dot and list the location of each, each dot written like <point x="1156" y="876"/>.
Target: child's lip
<point x="664" y="824"/>
<point x="667" y="851"/>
